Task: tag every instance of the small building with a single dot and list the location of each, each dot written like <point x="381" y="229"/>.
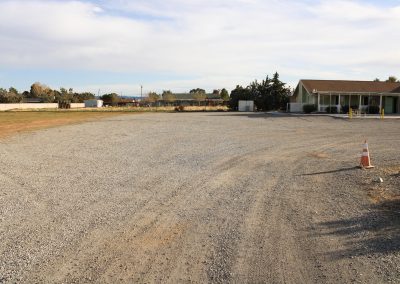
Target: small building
<point x="32" y="100"/>
<point x="342" y="95"/>
<point x="93" y="103"/>
<point x="246" y="106"/>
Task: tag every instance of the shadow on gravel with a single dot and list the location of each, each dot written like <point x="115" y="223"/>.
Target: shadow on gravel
<point x="333" y="171"/>
<point x="376" y="232"/>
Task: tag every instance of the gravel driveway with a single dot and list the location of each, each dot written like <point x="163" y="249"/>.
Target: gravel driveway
<point x="201" y="197"/>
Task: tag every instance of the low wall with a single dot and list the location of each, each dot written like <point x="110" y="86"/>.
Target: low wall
<point x="27" y="106"/>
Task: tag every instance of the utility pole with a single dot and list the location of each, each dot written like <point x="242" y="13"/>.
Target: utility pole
<point x="141" y="92"/>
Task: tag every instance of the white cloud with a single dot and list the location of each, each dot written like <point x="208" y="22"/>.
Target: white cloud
<point x="213" y="42"/>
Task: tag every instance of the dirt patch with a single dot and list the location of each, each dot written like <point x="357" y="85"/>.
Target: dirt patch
<point x="383" y="184"/>
<point x="392" y="170"/>
<point x="318" y="155"/>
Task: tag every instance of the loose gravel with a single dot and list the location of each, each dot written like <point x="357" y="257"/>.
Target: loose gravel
<point x="201" y="197"/>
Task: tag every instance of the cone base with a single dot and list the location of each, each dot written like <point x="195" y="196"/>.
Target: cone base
<point x="366" y="167"/>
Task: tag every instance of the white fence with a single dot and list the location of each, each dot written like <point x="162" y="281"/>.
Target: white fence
<point x="28" y="106"/>
<point x="4" y="107"/>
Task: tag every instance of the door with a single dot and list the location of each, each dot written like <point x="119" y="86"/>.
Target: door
<point x="389" y="103"/>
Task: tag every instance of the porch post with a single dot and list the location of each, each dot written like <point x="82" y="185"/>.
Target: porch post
<point x="339" y="104"/>
<point x="380" y="103"/>
<point x="359" y="105"/>
<point x="318" y="102"/>
<point x="350" y="101"/>
<point x="369" y="101"/>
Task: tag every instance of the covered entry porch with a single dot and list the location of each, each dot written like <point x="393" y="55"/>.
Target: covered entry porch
<point x="361" y="102"/>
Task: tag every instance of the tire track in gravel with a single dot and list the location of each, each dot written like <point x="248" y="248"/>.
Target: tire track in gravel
<point x="269" y="247"/>
<point x="275" y="226"/>
<point x="156" y="209"/>
<point x="180" y="265"/>
<point x="152" y="269"/>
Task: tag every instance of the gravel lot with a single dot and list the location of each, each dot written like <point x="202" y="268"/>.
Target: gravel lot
<point x="201" y="197"/>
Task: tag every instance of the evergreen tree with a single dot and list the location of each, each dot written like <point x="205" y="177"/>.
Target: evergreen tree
<point x="279" y="92"/>
<point x="270" y="94"/>
<point x="392" y="79"/>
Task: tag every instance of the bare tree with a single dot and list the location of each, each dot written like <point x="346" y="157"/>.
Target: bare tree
<point x="153" y="97"/>
<point x="200" y="97"/>
<point x="168" y="96"/>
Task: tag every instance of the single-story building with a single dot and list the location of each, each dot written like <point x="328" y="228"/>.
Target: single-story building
<point x="189" y="99"/>
<point x="32" y="100"/>
<point x="342" y="95"/>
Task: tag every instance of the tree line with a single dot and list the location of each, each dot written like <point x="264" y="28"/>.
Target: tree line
<point x="390" y="79"/>
<point x="269" y="94"/>
<point x="44" y="94"/>
<point x="47" y="95"/>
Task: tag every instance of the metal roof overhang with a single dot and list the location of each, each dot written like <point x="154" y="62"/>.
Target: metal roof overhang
<point x="357" y="93"/>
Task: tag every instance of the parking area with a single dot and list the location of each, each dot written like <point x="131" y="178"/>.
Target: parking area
<point x="201" y="197"/>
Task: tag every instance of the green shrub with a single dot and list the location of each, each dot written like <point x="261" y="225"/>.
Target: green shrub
<point x="373" y="109"/>
<point x="345" y="108"/>
<point x="309" y="108"/>
<point x="331" y="109"/>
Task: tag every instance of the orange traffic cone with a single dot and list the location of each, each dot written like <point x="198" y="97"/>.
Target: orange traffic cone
<point x="365" y="159"/>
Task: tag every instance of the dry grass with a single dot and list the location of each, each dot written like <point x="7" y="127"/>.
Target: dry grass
<point x="20" y="121"/>
<point x="388" y="190"/>
<point x="379" y="195"/>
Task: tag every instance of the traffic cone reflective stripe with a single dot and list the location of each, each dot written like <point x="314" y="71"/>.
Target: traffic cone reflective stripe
<point x="365" y="158"/>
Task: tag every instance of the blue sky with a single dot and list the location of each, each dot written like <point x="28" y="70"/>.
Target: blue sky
<point x="116" y="46"/>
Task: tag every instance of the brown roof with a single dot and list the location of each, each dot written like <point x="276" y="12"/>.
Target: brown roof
<point x="397" y="90"/>
<point x="351" y="86"/>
